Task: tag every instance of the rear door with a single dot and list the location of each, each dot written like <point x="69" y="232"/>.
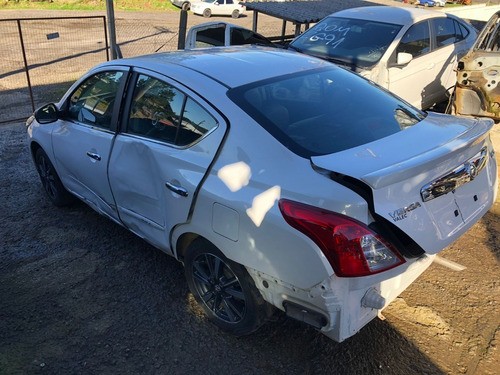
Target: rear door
<point x="170" y="137"/>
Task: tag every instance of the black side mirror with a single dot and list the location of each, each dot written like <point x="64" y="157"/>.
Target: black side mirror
<point x="47" y="114"/>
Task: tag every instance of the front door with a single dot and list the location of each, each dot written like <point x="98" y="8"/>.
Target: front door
<point x="411" y="80"/>
<point x="84" y="137"/>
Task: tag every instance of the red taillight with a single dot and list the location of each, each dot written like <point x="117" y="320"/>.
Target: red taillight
<point x="350" y="246"/>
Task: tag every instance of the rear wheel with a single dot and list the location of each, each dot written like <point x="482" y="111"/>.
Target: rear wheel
<point x="185" y="6"/>
<point x="224" y="289"/>
<point x="207" y="13"/>
<point x="235" y="14"/>
<point x="50" y="180"/>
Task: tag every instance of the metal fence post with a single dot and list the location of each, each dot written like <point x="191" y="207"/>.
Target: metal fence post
<point x="26" y="64"/>
<point x="110" y="11"/>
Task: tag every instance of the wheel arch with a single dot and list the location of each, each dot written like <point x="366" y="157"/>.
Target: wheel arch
<point x="183" y="243"/>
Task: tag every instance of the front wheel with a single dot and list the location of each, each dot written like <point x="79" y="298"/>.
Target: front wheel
<point x="224" y="289"/>
<point x="186" y="5"/>
<point x="235" y="14"/>
<point x="53" y="186"/>
<point x="207" y="13"/>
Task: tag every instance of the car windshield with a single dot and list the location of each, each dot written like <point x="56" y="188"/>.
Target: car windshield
<point x="350" y="41"/>
<point x="324" y="111"/>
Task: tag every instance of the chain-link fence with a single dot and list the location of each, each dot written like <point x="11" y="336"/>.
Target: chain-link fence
<point x="42" y="57"/>
<point x="141" y="36"/>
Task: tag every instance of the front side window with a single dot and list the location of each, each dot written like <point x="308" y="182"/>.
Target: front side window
<point x="161" y="112"/>
<point x="93" y="101"/>
<point x="355" y="42"/>
<point x="416" y="40"/>
<point x="324" y="111"/>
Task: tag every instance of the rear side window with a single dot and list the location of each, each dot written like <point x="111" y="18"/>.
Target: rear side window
<point x="324" y="111"/>
<point x="161" y="112"/>
<point x="447" y="31"/>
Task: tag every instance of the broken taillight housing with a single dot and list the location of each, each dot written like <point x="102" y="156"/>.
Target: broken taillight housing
<point x="350" y="246"/>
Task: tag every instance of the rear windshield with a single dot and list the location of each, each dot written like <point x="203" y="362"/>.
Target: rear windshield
<point x="324" y="111"/>
<point x="355" y="42"/>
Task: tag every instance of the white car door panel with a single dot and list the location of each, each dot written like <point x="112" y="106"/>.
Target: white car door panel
<point x="408" y="80"/>
<point x="157" y="164"/>
<point x="82" y="141"/>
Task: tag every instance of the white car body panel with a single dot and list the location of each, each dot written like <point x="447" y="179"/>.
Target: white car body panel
<point x="236" y="174"/>
<point x="83" y="175"/>
<point x="416" y="82"/>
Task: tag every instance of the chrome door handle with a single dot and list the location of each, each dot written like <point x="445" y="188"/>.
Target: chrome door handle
<point x="177" y="189"/>
<point x="94" y="156"/>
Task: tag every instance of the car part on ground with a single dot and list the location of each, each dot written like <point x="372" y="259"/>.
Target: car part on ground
<point x="271" y="181"/>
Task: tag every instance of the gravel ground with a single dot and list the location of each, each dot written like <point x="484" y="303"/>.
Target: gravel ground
<point x="81" y="295"/>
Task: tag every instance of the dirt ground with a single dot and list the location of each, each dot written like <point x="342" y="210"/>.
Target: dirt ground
<point x="81" y="295"/>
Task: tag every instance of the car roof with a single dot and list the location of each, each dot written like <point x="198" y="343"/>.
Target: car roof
<point x="389" y="14"/>
<point x="231" y="66"/>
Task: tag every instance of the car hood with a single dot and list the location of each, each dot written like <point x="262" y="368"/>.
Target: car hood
<point x="432" y="180"/>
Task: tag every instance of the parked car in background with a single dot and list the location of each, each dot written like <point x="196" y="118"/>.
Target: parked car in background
<point x="430" y="3"/>
<point x="218" y="34"/>
<point x="279" y="180"/>
<point x="477" y="92"/>
<point x="412" y="52"/>
<point x="208" y="8"/>
<point x="183" y="4"/>
<point x="425" y="3"/>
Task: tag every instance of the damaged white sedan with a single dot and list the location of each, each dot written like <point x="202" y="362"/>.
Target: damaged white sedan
<point x="295" y="185"/>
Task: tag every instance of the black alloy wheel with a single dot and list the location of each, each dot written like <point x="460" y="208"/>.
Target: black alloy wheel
<point x="53" y="186"/>
<point x="219" y="288"/>
<point x="224" y="290"/>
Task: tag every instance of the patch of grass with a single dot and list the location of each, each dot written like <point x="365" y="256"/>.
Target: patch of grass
<point x="136" y="5"/>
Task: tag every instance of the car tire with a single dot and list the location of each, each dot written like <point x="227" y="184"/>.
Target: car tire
<point x="224" y="290"/>
<point x="185" y="6"/>
<point x="235" y="14"/>
<point x="52" y="185"/>
<point x="207" y="13"/>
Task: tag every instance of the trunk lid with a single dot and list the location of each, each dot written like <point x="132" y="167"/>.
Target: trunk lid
<point x="433" y="180"/>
